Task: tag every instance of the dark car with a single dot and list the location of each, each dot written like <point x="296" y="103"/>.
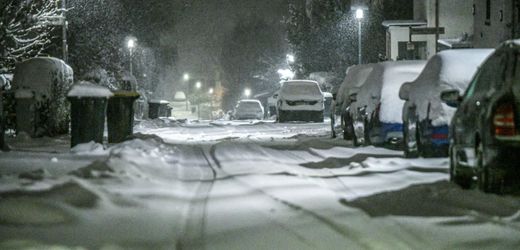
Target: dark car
<point x="484" y="132"/>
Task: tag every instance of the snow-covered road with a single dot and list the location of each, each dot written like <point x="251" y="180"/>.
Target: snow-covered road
<point x="242" y="185"/>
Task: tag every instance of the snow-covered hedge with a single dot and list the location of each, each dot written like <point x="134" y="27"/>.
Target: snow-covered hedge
<point x="48" y="79"/>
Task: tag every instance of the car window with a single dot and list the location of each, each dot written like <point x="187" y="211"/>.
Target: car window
<point x="489" y="76"/>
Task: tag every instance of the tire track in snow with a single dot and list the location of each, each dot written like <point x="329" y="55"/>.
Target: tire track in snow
<point x="328" y="222"/>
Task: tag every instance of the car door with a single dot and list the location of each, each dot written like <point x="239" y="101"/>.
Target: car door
<point x="471" y="110"/>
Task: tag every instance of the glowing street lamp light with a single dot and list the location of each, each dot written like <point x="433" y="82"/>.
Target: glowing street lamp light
<point x="247" y="92"/>
<point x="210" y="91"/>
<point x="198" y="85"/>
<point x="186" y="77"/>
<point x="359" y="16"/>
<point x="130" y="44"/>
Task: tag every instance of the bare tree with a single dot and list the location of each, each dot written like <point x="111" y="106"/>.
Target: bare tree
<point x="25" y="29"/>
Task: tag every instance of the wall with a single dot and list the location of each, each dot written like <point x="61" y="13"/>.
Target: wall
<point x="490" y="33"/>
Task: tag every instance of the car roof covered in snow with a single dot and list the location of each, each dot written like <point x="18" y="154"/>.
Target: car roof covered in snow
<point x="355" y="77"/>
<point x="250" y="100"/>
<point x="301" y="90"/>
<point x="449" y="69"/>
<point x="382" y="86"/>
<point x="453" y="67"/>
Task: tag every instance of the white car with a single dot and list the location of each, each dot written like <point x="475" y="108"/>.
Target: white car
<point x="248" y="110"/>
<point x="425" y="117"/>
<point x="300" y="100"/>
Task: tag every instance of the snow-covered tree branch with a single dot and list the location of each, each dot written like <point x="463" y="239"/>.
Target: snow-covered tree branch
<point x="24" y="31"/>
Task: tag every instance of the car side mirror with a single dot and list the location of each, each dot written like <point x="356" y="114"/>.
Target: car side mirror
<point x="404" y="91"/>
<point x="353" y="97"/>
<point x="451" y="97"/>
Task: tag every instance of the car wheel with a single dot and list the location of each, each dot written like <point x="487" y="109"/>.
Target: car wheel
<point x="456" y="177"/>
<point x="488" y="180"/>
<point x="366" y="132"/>
<point x="409" y="139"/>
<point x="348" y="128"/>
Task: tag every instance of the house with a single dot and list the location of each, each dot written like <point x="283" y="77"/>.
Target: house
<point x="495" y="21"/>
<point x="418" y="38"/>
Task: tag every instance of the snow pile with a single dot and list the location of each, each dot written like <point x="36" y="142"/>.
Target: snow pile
<point x="88" y="89"/>
<point x="450" y="69"/>
<point x="90" y="148"/>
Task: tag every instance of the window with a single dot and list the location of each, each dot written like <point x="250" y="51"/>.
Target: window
<point x="488" y="12"/>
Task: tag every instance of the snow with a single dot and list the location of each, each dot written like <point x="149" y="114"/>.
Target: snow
<point x="159" y="101"/>
<point x="88" y="89"/>
<point x="40" y="73"/>
<point x="355" y="78"/>
<point x="450" y="69"/>
<point x="179" y="96"/>
<point x="300" y="90"/>
<point x="291" y="188"/>
<point x="382" y="86"/>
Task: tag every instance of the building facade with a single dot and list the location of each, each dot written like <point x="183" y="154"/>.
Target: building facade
<point x="495" y="21"/>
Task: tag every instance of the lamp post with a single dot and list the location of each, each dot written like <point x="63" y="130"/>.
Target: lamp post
<point x="198" y="85"/>
<point x="210" y="92"/>
<point x="131" y="45"/>
<point x="186" y="78"/>
<point x="359" y="16"/>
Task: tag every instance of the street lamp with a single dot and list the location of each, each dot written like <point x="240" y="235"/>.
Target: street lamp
<point x="131" y="45"/>
<point x="247" y="92"/>
<point x="359" y="16"/>
<point x="211" y="91"/>
<point x="186" y="77"/>
<point x="198" y="85"/>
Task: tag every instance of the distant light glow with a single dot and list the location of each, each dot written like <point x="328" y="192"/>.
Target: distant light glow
<point x="247" y="92"/>
<point x="360" y="14"/>
<point x="186" y="77"/>
<point x="131" y="43"/>
<point x="210" y="91"/>
<point x="198" y="85"/>
<point x="286" y="73"/>
<point x="290" y="58"/>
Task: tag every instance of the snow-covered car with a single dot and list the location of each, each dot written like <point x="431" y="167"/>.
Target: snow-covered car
<point x="300" y="100"/>
<point x="249" y="109"/>
<point x="355" y="78"/>
<point x="376" y="109"/>
<point x="484" y="131"/>
<point x="425" y="117"/>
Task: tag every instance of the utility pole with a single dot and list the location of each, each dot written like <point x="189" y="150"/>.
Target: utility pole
<point x="65" y="49"/>
<point x="436" y="26"/>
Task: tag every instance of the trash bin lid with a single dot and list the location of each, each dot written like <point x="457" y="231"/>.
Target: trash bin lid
<point x="88" y="89"/>
<point x="124" y="93"/>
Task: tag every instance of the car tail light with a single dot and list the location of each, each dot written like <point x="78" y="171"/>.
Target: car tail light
<point x="439" y="136"/>
<point x="504" y="120"/>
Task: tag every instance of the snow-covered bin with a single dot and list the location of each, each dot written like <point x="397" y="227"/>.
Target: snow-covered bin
<point x="120" y="115"/>
<point x="159" y="108"/>
<point x="88" y="108"/>
<point x="40" y="85"/>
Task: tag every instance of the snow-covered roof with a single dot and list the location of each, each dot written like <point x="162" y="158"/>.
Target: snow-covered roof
<point x="455" y="43"/>
<point x="88" y="89"/>
<point x="249" y="100"/>
<point x="389" y="23"/>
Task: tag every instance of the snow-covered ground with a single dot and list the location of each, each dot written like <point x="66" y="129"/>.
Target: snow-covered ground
<point x="240" y="185"/>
